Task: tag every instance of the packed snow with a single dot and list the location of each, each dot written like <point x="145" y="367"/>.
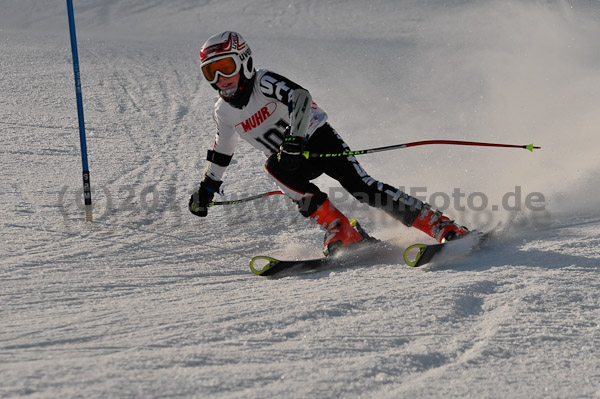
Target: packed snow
<point x="149" y="301"/>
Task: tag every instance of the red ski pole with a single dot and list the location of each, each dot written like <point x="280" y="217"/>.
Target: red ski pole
<point x="247" y="199"/>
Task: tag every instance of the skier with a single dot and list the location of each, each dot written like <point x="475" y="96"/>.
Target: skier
<point x="280" y="118"/>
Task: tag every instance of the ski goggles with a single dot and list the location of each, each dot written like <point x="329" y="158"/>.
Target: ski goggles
<point x="226" y="67"/>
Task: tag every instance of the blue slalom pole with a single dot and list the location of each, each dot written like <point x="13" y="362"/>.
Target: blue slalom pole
<point x="87" y="193"/>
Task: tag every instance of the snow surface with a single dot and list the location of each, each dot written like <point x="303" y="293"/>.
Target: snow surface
<point x="149" y="301"/>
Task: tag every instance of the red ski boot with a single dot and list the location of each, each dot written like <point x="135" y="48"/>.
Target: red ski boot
<point x="438" y="226"/>
<point x="339" y="230"/>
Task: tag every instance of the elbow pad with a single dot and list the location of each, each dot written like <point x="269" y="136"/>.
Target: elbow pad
<point x="300" y="107"/>
<point x="218" y="158"/>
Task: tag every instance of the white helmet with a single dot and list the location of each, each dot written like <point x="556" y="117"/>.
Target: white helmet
<point x="226" y="54"/>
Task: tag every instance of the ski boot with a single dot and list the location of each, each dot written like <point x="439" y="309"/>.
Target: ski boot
<point x="438" y="226"/>
<point x="339" y="230"/>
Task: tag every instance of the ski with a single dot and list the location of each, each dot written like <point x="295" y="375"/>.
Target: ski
<point x="360" y="253"/>
<point x="425" y="253"/>
<point x="274" y="266"/>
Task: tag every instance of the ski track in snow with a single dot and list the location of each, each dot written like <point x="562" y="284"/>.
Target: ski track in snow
<point x="150" y="302"/>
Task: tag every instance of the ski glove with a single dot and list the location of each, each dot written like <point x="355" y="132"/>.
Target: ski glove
<point x="290" y="153"/>
<point x="200" y="200"/>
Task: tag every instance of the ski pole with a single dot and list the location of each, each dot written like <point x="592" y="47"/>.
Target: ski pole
<point x="247" y="199"/>
<point x="308" y="154"/>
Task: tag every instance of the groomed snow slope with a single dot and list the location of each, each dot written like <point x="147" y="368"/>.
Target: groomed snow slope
<point x="149" y="301"/>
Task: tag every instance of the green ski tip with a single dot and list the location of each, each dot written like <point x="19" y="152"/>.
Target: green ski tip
<point x="412" y="260"/>
<point x="261" y="266"/>
<point x="529" y="147"/>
